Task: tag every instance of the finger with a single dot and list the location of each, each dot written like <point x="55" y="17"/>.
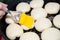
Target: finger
<point x="2" y="13"/>
<point x="1" y="17"/>
<point x="0" y="6"/>
<point x="5" y="9"/>
<point x="3" y="4"/>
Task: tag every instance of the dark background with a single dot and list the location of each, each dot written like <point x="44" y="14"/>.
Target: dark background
<point x="11" y="6"/>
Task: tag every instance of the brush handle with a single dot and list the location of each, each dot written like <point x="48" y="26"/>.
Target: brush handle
<point x="8" y="11"/>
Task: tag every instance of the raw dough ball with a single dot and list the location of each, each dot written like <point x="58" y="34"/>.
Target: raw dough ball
<point x="52" y="8"/>
<point x="42" y="24"/>
<point x="37" y="3"/>
<point x="13" y="31"/>
<point x="56" y="21"/>
<point x="9" y="20"/>
<point x="38" y="13"/>
<point x="29" y="36"/>
<point x="23" y="7"/>
<point x="26" y="28"/>
<point x="50" y="34"/>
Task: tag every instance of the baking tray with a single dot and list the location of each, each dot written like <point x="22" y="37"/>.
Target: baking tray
<point x="12" y="7"/>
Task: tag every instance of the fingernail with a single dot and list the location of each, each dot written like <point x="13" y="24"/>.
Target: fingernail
<point x="6" y="9"/>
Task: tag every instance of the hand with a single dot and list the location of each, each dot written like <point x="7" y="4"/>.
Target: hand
<point x="3" y="8"/>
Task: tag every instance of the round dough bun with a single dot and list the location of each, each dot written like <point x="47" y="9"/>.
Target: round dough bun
<point x="25" y="27"/>
<point x="42" y="24"/>
<point x="23" y="7"/>
<point x="9" y="20"/>
<point x="29" y="36"/>
<point x="50" y="34"/>
<point x="38" y="13"/>
<point x="52" y="8"/>
<point x="37" y="3"/>
<point x="56" y="21"/>
<point x="13" y="31"/>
